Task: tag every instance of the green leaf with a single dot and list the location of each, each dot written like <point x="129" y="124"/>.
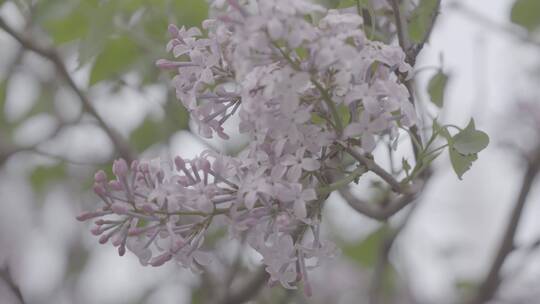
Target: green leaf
<point x="119" y="54"/>
<point x="46" y="11"/>
<point x="470" y="140"/>
<point x="101" y="28"/>
<point x="436" y="88"/>
<point x="147" y="134"/>
<point x="177" y="117"/>
<point x="65" y="20"/>
<point x="72" y="27"/>
<point x="526" y="13"/>
<point x="151" y="132"/>
<point x="189" y="12"/>
<point x="420" y="20"/>
<point x="317" y="119"/>
<point x="347" y="3"/>
<point x="366" y="252"/>
<point x="42" y="176"/>
<point x="461" y="163"/>
<point x="344" y="114"/>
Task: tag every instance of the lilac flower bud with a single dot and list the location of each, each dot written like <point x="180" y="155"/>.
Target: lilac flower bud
<point x="96" y="230"/>
<point x="161" y="259"/>
<point x="117" y="239"/>
<point x="100" y="190"/>
<point x="120" y="168"/>
<point x="134" y="166"/>
<point x="120" y="208"/>
<point x="100" y="222"/>
<point x="121" y="250"/>
<point x="173" y="30"/>
<point x="104" y="238"/>
<point x="86" y="216"/>
<point x="179" y="163"/>
<point x="204" y="165"/>
<point x="116" y="185"/>
<point x="100" y="177"/>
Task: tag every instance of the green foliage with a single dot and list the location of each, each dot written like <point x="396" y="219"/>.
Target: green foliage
<point x="145" y="135"/>
<point x="107" y="31"/>
<point x="89" y="181"/>
<point x="101" y="28"/>
<point x="42" y="176"/>
<point x="420" y="20"/>
<point x="317" y="119"/>
<point x="437" y="87"/>
<point x="115" y="59"/>
<point x="151" y="131"/>
<point x="526" y="13"/>
<point x="344" y="114"/>
<point x="470" y="140"/>
<point x="66" y="29"/>
<point x="65" y="20"/>
<point x="466" y="287"/>
<point x="461" y="163"/>
<point x="189" y="12"/>
<point x="464" y="146"/>
<point x="366" y="252"/>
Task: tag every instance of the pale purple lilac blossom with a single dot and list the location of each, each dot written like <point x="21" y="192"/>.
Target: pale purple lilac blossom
<point x="265" y="62"/>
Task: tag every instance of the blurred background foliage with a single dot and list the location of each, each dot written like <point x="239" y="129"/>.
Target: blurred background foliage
<point x="110" y="39"/>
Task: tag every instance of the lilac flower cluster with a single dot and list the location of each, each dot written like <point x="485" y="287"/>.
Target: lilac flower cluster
<point x="304" y="81"/>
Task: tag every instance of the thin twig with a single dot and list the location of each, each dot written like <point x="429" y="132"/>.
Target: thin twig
<point x="372" y="166"/>
<point x="376" y="212"/>
<point x="5" y="274"/>
<point x="401" y="26"/>
<point x="50" y="54"/>
<point x="491" y="283"/>
<point x="249" y="290"/>
<point x="404" y="42"/>
<point x="413" y="53"/>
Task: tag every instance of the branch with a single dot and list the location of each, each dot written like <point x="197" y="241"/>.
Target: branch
<point x="491" y="283"/>
<point x="401" y="26"/>
<point x="417" y="48"/>
<point x="373" y="167"/>
<point x="6" y="276"/>
<point x="50" y="54"/>
<point x="249" y="290"/>
<point x="376" y="285"/>
<point x="375" y="212"/>
<point x="411" y="54"/>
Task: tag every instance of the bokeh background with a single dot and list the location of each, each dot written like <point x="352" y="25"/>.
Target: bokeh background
<point x="50" y="146"/>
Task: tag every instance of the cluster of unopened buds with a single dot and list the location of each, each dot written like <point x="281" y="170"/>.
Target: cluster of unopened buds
<point x="307" y="85"/>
